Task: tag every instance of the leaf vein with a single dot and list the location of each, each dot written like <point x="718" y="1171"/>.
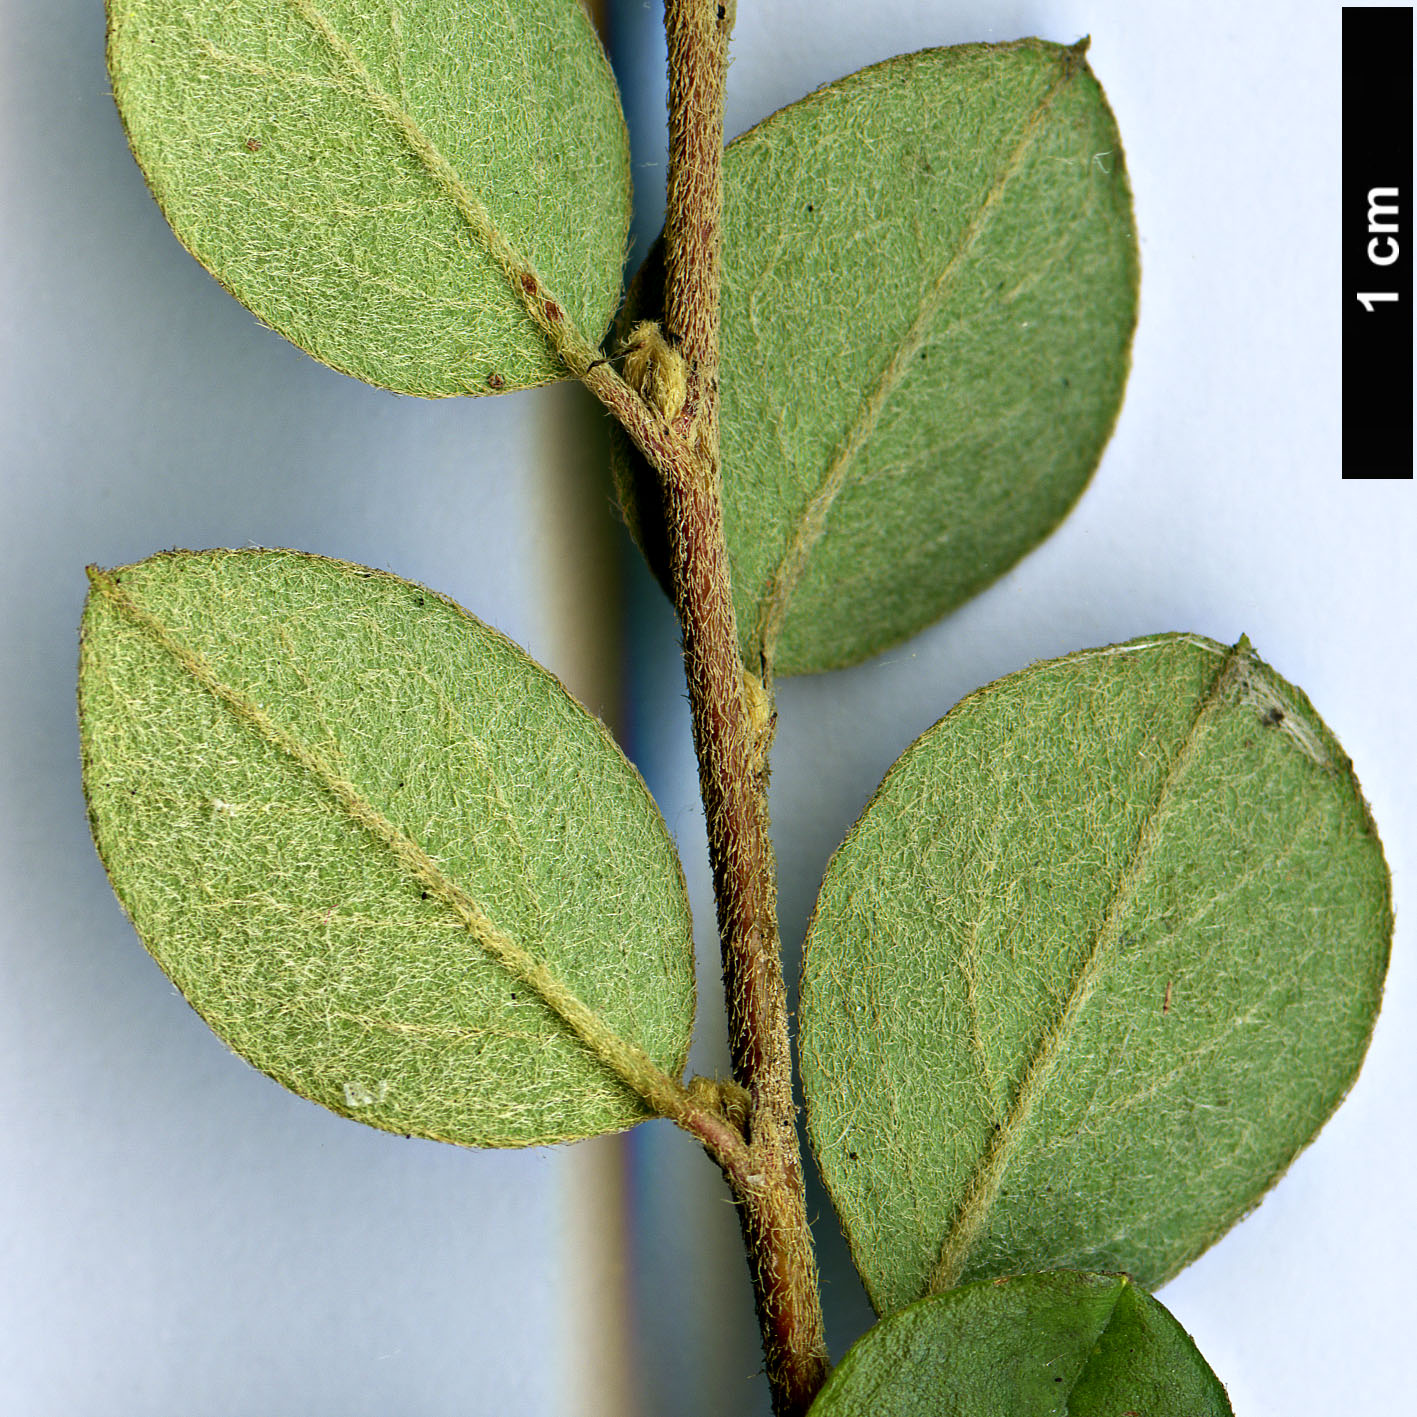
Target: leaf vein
<point x="517" y="269"/>
<point x="625" y="1060"/>
<point x="811" y="523"/>
<point x="988" y="1175"/>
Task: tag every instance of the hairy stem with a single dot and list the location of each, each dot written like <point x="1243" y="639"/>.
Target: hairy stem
<point x="763" y="1167"/>
<point x="697" y="32"/>
<point x="771" y="1204"/>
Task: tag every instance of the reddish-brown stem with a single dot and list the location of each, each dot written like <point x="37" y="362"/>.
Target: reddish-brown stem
<point x="762" y="1160"/>
<point x="697" y="34"/>
<point x="771" y="1204"/>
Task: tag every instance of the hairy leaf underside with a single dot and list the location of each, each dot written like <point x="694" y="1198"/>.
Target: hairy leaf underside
<point x="1101" y="955"/>
<point x="929" y="289"/>
<point x="357" y="174"/>
<point x="375" y="845"/>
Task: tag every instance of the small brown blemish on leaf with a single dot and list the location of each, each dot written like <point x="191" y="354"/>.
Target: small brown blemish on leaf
<point x="496" y="381"/>
<point x="1166" y="1001"/>
<point x="1273" y="716"/>
<point x="529" y="283"/>
<point x="252" y="145"/>
<point x="553" y="311"/>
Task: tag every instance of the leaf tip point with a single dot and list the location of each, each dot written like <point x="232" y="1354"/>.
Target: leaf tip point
<point x="99" y="578"/>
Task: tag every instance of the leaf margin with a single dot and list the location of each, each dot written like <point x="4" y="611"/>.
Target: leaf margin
<point x="1336" y="762"/>
<point x="518" y="654"/>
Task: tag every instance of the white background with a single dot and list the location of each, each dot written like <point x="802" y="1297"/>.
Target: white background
<point x="179" y="1236"/>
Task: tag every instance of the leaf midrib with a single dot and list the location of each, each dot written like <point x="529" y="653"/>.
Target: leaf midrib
<point x="987" y="1178"/>
<point x="626" y="1061"/>
<point x="1096" y="1345"/>
<point x="440" y="169"/>
<point x="812" y="520"/>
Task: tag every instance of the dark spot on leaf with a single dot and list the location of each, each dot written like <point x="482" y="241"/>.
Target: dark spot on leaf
<point x="252" y="146"/>
<point x="423" y="895"/>
<point x="1067" y="383"/>
<point x="810" y="207"/>
<point x="418" y="600"/>
<point x="851" y="1155"/>
<point x="722" y="11"/>
<point x="553" y="311"/>
<point x="529" y="284"/>
<point x="1273" y="716"/>
<point x="496" y="381"/>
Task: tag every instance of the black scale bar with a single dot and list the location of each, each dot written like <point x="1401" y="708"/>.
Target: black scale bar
<point x="1379" y="231"/>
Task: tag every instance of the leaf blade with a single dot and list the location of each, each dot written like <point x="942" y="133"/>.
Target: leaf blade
<point x="361" y="182"/>
<point x="1033" y="1346"/>
<point x="1133" y="1007"/>
<point x="929" y="295"/>
<point x="308" y="824"/>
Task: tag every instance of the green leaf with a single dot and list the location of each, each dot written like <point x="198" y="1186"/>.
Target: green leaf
<point x="1088" y="1345"/>
<point x="1100" y="957"/>
<point x="930" y="277"/>
<point x="382" y="852"/>
<point x="351" y="172"/>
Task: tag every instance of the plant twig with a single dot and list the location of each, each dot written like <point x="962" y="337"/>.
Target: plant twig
<point x="681" y="442"/>
<point x="771" y="1204"/>
<point x="697" y="32"/>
